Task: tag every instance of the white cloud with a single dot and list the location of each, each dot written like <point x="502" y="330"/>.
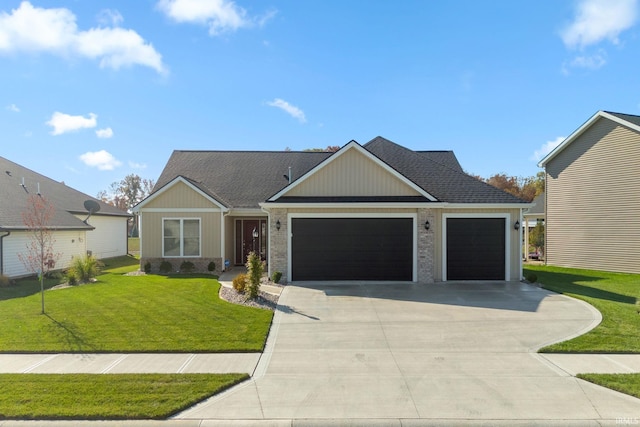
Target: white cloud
<point x="104" y="133"/>
<point x="63" y="123"/>
<point x="598" y="20"/>
<point x="102" y="160"/>
<point x="14" y="108"/>
<point x="292" y="110"/>
<point x="110" y="17"/>
<point x="546" y="148"/>
<point x="135" y="165"/>
<point x="58" y="34"/>
<point x="219" y="15"/>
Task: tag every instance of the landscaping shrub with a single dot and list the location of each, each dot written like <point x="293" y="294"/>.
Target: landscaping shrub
<point x="4" y="281"/>
<point x="211" y="267"/>
<point x="187" y="267"/>
<point x="255" y="267"/>
<point x="531" y="278"/>
<point x="72" y="278"/>
<point x="84" y="268"/>
<point x="240" y="283"/>
<point x="147" y="267"/>
<point x="276" y="276"/>
<point x="166" y="267"/>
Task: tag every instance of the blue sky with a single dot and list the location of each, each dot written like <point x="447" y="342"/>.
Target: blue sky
<point x="93" y="91"/>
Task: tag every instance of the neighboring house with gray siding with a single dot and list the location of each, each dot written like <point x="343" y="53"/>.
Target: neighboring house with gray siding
<point x="376" y="212"/>
<point x="593" y="196"/>
<point x="104" y="234"/>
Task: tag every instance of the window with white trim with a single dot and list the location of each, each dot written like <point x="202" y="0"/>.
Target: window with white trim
<point x="181" y="237"/>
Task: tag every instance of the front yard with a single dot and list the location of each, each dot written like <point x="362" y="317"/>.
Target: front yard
<point x="615" y="295"/>
<point x="122" y="313"/>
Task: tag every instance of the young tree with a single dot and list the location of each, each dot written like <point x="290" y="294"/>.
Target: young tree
<point x="40" y="257"/>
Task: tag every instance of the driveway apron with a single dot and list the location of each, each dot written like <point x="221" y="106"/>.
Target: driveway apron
<point x="446" y="351"/>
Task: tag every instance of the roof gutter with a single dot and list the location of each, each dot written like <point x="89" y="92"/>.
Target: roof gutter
<point x="2" y="250"/>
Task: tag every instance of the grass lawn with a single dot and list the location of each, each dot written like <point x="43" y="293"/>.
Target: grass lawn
<point x="624" y="383"/>
<point x="615" y="295"/>
<point x="129" y="314"/>
<point x="108" y="396"/>
<point x="134" y="244"/>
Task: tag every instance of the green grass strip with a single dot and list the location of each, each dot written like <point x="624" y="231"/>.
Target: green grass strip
<point x="624" y="383"/>
<point x="615" y="295"/>
<point x="107" y="396"/>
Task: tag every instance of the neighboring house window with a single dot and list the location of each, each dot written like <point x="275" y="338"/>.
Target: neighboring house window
<point x="181" y="237"/>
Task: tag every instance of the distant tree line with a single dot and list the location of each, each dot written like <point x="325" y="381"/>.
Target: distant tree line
<point x="527" y="188"/>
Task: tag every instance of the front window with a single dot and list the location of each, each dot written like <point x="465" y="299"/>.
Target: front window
<point x="181" y="237"/>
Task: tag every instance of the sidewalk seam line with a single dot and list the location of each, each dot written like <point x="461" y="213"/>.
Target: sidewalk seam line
<point x="186" y="363"/>
<point x="38" y="364"/>
<point x="114" y="364"/>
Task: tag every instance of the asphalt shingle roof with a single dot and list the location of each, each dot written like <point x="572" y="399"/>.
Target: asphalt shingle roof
<point x="628" y="117"/>
<point x="243" y="179"/>
<point x="66" y="200"/>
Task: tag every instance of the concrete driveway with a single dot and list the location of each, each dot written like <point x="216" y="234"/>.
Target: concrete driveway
<point x="407" y="353"/>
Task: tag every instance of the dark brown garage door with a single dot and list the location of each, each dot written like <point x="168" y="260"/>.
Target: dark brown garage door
<point x="475" y="248"/>
<point x="352" y="249"/>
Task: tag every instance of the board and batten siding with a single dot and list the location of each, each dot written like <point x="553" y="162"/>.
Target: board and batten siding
<point x="352" y="174"/>
<point x="593" y="201"/>
<point x="180" y="201"/>
<point x="67" y="243"/>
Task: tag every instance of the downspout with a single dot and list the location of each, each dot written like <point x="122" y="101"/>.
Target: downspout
<point x="2" y="251"/>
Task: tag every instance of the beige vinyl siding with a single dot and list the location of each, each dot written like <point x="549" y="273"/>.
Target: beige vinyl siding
<point x="352" y="174"/>
<point x="593" y="201"/>
<point x="514" y="236"/>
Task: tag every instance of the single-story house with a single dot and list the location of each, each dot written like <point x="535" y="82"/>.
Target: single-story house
<point x="104" y="233"/>
<point x="375" y="212"/>
<point x="593" y="196"/>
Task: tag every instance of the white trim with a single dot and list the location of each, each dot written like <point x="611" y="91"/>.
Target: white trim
<point x="352" y="145"/>
<point x="542" y="163"/>
<point x="526" y="230"/>
<point x="189" y="210"/>
<point x="169" y="185"/>
<point x="413" y="216"/>
<point x="182" y="219"/>
<point x="246" y="212"/>
<point x="507" y="244"/>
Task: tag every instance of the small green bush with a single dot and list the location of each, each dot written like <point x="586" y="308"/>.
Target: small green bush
<point x="240" y="283"/>
<point x="255" y="267"/>
<point x="5" y="282"/>
<point x="166" y="267"/>
<point x="84" y="268"/>
<point x="531" y="278"/>
<point x="72" y="278"/>
<point x="187" y="267"/>
<point x="147" y="267"/>
<point x="211" y="267"/>
<point x="276" y="276"/>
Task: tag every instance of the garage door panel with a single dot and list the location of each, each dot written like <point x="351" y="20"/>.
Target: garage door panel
<point x="352" y="249"/>
<point x="476" y="248"/>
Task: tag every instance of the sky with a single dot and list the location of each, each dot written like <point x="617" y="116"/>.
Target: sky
<point x="93" y="91"/>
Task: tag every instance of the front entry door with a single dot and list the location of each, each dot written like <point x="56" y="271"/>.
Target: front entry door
<point x="250" y="243"/>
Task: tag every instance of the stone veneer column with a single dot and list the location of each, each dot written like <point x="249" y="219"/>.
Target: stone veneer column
<point x="426" y="246"/>
<point x="278" y="253"/>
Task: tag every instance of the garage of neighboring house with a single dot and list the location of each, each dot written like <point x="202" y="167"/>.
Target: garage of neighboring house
<point x="355" y="248"/>
<point x="475" y="247"/>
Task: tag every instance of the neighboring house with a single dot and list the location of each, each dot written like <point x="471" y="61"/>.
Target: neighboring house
<point x="593" y="196"/>
<point x="375" y="212"/>
<point x="104" y="234"/>
<point x="532" y="217"/>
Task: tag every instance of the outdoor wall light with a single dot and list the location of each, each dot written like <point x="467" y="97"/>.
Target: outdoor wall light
<point x="516" y="226"/>
<point x="278" y="225"/>
<point x="427" y="225"/>
<point x="255" y="233"/>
